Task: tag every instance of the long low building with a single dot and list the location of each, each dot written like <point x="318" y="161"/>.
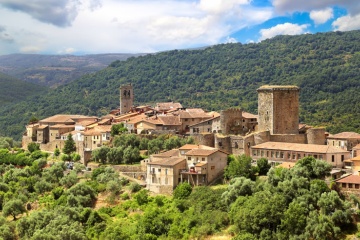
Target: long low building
<point x="278" y="152"/>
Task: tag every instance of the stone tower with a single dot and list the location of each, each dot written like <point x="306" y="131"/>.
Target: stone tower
<point x="126" y="98"/>
<point x="278" y="108"/>
<point x="231" y="121"/>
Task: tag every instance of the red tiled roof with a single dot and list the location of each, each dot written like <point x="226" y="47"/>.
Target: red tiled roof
<point x="61" y="126"/>
<point x="167" y="106"/>
<point x="312" y="148"/>
<point x="349" y="179"/>
<point x="345" y="135"/>
<point x="210" y="119"/>
<point x="249" y="115"/>
<point x="170" y="153"/>
<point x="170" y="120"/>
<point x="169" y="161"/>
<point x="201" y="152"/>
<point x="62" y="118"/>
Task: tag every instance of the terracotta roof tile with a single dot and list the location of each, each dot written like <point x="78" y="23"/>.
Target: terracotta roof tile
<point x="350" y="179"/>
<point x="201" y="152"/>
<point x="249" y="115"/>
<point x="61" y="126"/>
<point x="163" y="106"/>
<point x="312" y="148"/>
<point x="170" y="153"/>
<point x="61" y="118"/>
<point x="169" y="161"/>
<point x="345" y="135"/>
<point x="170" y="120"/>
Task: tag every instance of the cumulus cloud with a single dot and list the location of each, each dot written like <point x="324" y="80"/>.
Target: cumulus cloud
<point x="321" y="16"/>
<point x="4" y="36"/>
<point x="290" y="6"/>
<point x="230" y="40"/>
<point x="347" y="23"/>
<point x="283" y="29"/>
<point x="60" y="13"/>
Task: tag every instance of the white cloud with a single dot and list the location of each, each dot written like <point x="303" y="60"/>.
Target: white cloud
<point x="283" y="29"/>
<point x="230" y="40"/>
<point x="347" y="23"/>
<point x="95" y="26"/>
<point x="290" y="6"/>
<point x="321" y="16"/>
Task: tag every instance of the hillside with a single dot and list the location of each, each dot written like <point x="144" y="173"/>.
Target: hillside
<point x="55" y="70"/>
<point x="324" y="65"/>
<point x="14" y="90"/>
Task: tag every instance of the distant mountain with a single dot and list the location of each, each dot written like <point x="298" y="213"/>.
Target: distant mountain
<point x="55" y="70"/>
<point x="14" y="90"/>
<point x="325" y="66"/>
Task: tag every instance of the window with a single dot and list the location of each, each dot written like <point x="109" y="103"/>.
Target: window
<point x="321" y="157"/>
<point x="343" y="185"/>
<point x="298" y="156"/>
<point x="277" y="154"/>
<point x="153" y="179"/>
<point x="281" y="154"/>
<point x="316" y="156"/>
<point x="208" y="130"/>
<point x="262" y="153"/>
<point x="186" y="119"/>
<point x="189" y="158"/>
<point x="333" y="158"/>
<point x="294" y="156"/>
<point x="212" y="167"/>
<point x="289" y="155"/>
<point x="159" y="170"/>
<point x="254" y="152"/>
<point x="356" y="186"/>
<point x="272" y="154"/>
<point x="350" y="185"/>
<point x="342" y="158"/>
<point x="166" y="171"/>
<point x="94" y="142"/>
<point x="203" y="159"/>
<point x="267" y="154"/>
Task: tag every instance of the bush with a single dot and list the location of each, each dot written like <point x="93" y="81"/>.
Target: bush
<point x="134" y="187"/>
<point x="182" y="191"/>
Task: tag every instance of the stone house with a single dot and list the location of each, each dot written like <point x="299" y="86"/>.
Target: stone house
<point x="167" y="106"/>
<point x="196" y="164"/>
<point x="344" y="140"/>
<point x="278" y="152"/>
<point x="211" y="125"/>
<point x="349" y="183"/>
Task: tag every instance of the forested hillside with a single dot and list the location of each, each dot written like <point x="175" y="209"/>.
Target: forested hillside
<point x="55" y="70"/>
<point x="324" y="65"/>
<point x="14" y="90"/>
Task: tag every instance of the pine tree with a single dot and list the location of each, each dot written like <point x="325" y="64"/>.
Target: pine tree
<point x="69" y="145"/>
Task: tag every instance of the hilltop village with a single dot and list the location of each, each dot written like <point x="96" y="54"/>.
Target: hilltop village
<point x="275" y="134"/>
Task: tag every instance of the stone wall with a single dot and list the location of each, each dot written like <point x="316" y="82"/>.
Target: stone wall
<point x="278" y="109"/>
<point x="223" y="143"/>
<point x="290" y="138"/>
<point x="136" y="175"/>
<point x="206" y="139"/>
<point x="316" y="136"/>
<point x="231" y="121"/>
<point x="237" y="145"/>
<point x="128" y="168"/>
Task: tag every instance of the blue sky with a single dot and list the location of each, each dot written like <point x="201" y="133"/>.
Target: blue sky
<point x="134" y="26"/>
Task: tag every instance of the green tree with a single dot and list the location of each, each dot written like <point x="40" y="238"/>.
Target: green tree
<point x="239" y="186"/>
<point x="182" y="191"/>
<point x="32" y="147"/>
<point x="263" y="166"/>
<point x="69" y="146"/>
<point x="100" y="154"/>
<point x="13" y="208"/>
<point x="241" y="167"/>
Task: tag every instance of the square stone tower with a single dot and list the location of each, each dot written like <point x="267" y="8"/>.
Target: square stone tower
<point x="278" y="108"/>
<point x="126" y="98"/>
